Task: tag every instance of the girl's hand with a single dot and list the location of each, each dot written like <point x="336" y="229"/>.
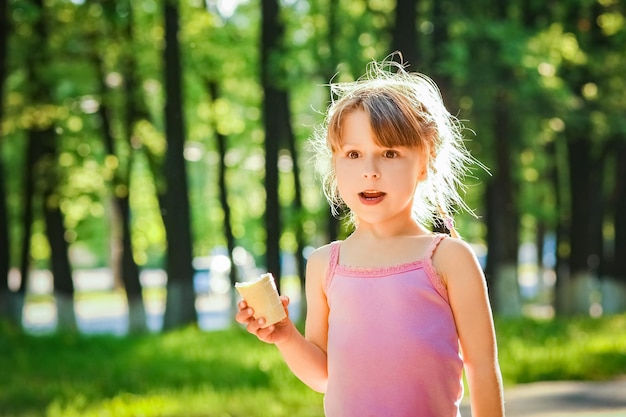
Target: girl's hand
<point x="276" y="333"/>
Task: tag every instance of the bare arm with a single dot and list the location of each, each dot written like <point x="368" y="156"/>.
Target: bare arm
<point x="469" y="301"/>
<point x="305" y="355"/>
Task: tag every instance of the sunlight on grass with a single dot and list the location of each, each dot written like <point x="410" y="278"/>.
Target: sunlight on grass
<point x="573" y="349"/>
<point x="192" y="373"/>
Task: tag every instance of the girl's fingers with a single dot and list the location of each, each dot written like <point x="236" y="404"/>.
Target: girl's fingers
<point x="254" y="327"/>
<point x="244" y="315"/>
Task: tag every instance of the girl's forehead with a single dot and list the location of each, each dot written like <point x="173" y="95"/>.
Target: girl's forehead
<point x="368" y="141"/>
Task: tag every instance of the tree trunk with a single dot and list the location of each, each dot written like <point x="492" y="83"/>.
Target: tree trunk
<point x="223" y="196"/>
<point x="272" y="31"/>
<point x="502" y="216"/>
<point x="46" y="170"/>
<point x="587" y="151"/>
<point x="41" y="162"/>
<point x="540" y="239"/>
<point x="223" y="190"/>
<point x="404" y="32"/>
<point x="440" y="39"/>
<point x="59" y="260"/>
<point x="502" y="211"/>
<point x="298" y="207"/>
<point x="5" y="262"/>
<point x="5" y="241"/>
<point x="329" y="68"/>
<point x="125" y="269"/>
<point x="586" y="225"/>
<point x="614" y="286"/>
<point x="28" y="216"/>
<point x="180" y="304"/>
<point x="586" y="162"/>
<point x="585" y="201"/>
<point x="130" y="271"/>
<point x="620" y="212"/>
<point x="556" y="177"/>
<point x="135" y="110"/>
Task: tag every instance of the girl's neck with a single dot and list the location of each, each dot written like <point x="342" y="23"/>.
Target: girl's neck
<point x="372" y="246"/>
<point x="389" y="230"/>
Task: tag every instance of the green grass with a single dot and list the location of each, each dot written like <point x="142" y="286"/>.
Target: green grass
<point x="562" y="349"/>
<point x="181" y="373"/>
<point x="229" y="373"/>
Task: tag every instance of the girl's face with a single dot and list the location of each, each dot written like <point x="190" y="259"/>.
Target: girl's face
<point x="377" y="183"/>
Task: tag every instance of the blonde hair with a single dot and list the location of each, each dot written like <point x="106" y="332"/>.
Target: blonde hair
<point x="405" y="109"/>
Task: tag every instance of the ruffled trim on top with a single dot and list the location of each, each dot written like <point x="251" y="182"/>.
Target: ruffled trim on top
<point x="379" y="271"/>
<point x="376" y="272"/>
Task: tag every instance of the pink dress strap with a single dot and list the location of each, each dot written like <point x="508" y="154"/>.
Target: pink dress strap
<point x="433" y="245"/>
<point x="432" y="273"/>
<point x="332" y="264"/>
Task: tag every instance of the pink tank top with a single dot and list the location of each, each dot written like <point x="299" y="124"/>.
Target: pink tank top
<point x="393" y="348"/>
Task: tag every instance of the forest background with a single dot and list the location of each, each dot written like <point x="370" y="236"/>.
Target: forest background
<point x="143" y="135"/>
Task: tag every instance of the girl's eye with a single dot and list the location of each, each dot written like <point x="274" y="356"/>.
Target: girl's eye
<point x="352" y="154"/>
<point x="390" y="153"/>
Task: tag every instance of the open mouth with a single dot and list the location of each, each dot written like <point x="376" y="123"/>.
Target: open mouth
<point x="371" y="195"/>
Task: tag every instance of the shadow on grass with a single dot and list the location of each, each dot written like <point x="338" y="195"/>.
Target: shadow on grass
<point x="40" y="370"/>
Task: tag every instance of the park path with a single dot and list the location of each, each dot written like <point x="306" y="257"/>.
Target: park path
<point x="565" y="399"/>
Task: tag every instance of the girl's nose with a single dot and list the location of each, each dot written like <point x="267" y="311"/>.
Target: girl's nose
<point x="370" y="171"/>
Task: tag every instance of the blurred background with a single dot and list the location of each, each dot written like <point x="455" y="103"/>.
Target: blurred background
<point x="154" y="152"/>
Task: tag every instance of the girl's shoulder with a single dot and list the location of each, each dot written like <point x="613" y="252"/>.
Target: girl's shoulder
<point x="453" y="257"/>
<point x="322" y="252"/>
<point x="454" y="243"/>
<point x="452" y="250"/>
<point x="319" y="258"/>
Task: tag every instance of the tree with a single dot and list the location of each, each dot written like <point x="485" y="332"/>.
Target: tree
<point x="515" y="71"/>
<point x="4" y="215"/>
<point x="124" y="263"/>
<point x="404" y="32"/>
<point x="441" y="18"/>
<point x="274" y="125"/>
<point x="43" y="177"/>
<point x="180" y="306"/>
<point x="223" y="191"/>
<point x="618" y="273"/>
<point x="587" y="150"/>
<point x="482" y="60"/>
<point x="328" y="64"/>
<point x="298" y="206"/>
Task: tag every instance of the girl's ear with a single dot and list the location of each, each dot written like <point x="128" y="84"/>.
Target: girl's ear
<point x="423" y="174"/>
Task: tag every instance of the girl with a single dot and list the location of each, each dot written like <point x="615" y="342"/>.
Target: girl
<point x="394" y="312"/>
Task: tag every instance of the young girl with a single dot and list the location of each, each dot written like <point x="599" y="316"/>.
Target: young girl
<point x="394" y="312"/>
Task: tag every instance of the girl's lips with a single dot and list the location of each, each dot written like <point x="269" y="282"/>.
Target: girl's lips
<point x="371" y="197"/>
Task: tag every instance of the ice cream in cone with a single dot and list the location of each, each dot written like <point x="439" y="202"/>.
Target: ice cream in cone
<point x="263" y="297"/>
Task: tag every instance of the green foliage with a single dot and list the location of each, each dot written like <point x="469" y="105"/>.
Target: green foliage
<point x="556" y="76"/>
<point x="230" y="373"/>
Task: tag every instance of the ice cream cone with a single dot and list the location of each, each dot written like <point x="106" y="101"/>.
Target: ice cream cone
<point x="263" y="297"/>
